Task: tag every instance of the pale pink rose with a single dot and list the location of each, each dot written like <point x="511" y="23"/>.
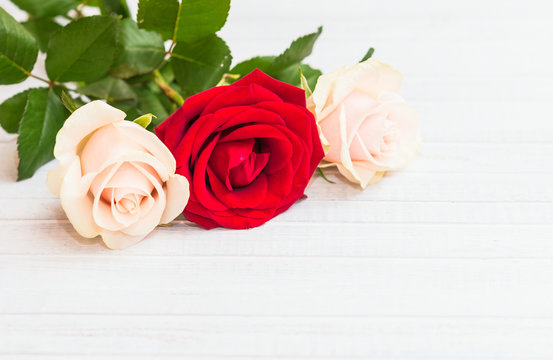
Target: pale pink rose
<point x="115" y="179"/>
<point x="366" y="127"/>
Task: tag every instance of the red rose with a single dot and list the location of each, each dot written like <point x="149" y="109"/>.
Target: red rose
<point x="247" y="149"/>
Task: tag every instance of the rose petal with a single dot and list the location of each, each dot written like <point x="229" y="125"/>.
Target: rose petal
<point x="286" y="92"/>
<point x="245" y="173"/>
<point x="118" y="240"/>
<point x="54" y="178"/>
<point x="302" y="123"/>
<point x="173" y="128"/>
<point x="121" y="217"/>
<point x="149" y="220"/>
<point x="82" y="122"/>
<point x="126" y="176"/>
<point x="105" y="146"/>
<point x="227" y="155"/>
<point x="101" y="209"/>
<point x="76" y="202"/>
<point x="205" y="222"/>
<point x="279" y="142"/>
<point x="359" y="172"/>
<point x="177" y="195"/>
<point x="246" y="197"/>
<point x="150" y="141"/>
<point x="249" y="94"/>
<point x="250" y="116"/>
<point x="280" y="184"/>
<point x="371" y="77"/>
<point x="201" y="191"/>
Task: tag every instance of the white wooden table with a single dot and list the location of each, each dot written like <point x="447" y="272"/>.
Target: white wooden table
<point x="451" y="258"/>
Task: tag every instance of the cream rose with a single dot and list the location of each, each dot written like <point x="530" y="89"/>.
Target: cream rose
<point x="115" y="179"/>
<point x="368" y="129"/>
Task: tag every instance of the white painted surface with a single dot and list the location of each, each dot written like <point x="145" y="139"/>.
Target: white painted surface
<point x="451" y="258"/>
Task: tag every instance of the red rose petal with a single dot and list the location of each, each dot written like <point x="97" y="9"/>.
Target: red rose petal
<point x="286" y="92"/>
<point x="199" y="186"/>
<point x="242" y="198"/>
<point x="240" y="96"/>
<point x="203" y="221"/>
<point x="172" y="129"/>
<point x="280" y="185"/>
<point x="227" y="155"/>
<point x="245" y="173"/>
<point x="252" y="116"/>
<point x="302" y="122"/>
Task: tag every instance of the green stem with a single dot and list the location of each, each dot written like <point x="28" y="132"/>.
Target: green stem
<point x="324" y="176"/>
<point x="170" y="92"/>
<point x="50" y="83"/>
<point x="228" y="79"/>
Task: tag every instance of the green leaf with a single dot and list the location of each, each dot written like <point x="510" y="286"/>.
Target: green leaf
<point x="200" y="65"/>
<point x="285" y="66"/>
<point x="42" y="29"/>
<point x="188" y="21"/>
<point x="68" y="102"/>
<point x="298" y="50"/>
<point x="41" y="8"/>
<point x="167" y="104"/>
<point x="128" y="107"/>
<point x="159" y="16"/>
<point x="200" y="18"/>
<point x="43" y="117"/>
<point x="368" y="55"/>
<point x="18" y="50"/>
<point x="138" y="51"/>
<point x="291" y="75"/>
<point x="110" y="89"/>
<point x="144" y="120"/>
<point x="11" y="111"/>
<point x="311" y="75"/>
<point x="260" y="62"/>
<point x="150" y="102"/>
<point x="114" y="7"/>
<point x="83" y="50"/>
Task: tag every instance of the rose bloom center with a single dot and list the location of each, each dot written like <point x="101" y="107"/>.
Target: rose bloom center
<point x="238" y="163"/>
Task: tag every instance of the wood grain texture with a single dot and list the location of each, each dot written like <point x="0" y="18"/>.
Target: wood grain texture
<point x="450" y="258"/>
<point x="278" y="337"/>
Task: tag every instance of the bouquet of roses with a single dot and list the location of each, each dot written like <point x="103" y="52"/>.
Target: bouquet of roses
<point x="230" y="146"/>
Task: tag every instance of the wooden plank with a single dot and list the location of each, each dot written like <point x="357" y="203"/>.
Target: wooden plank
<point x="485" y="121"/>
<point x="137" y="336"/>
<point x="361" y="240"/>
<point x="276" y="286"/>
